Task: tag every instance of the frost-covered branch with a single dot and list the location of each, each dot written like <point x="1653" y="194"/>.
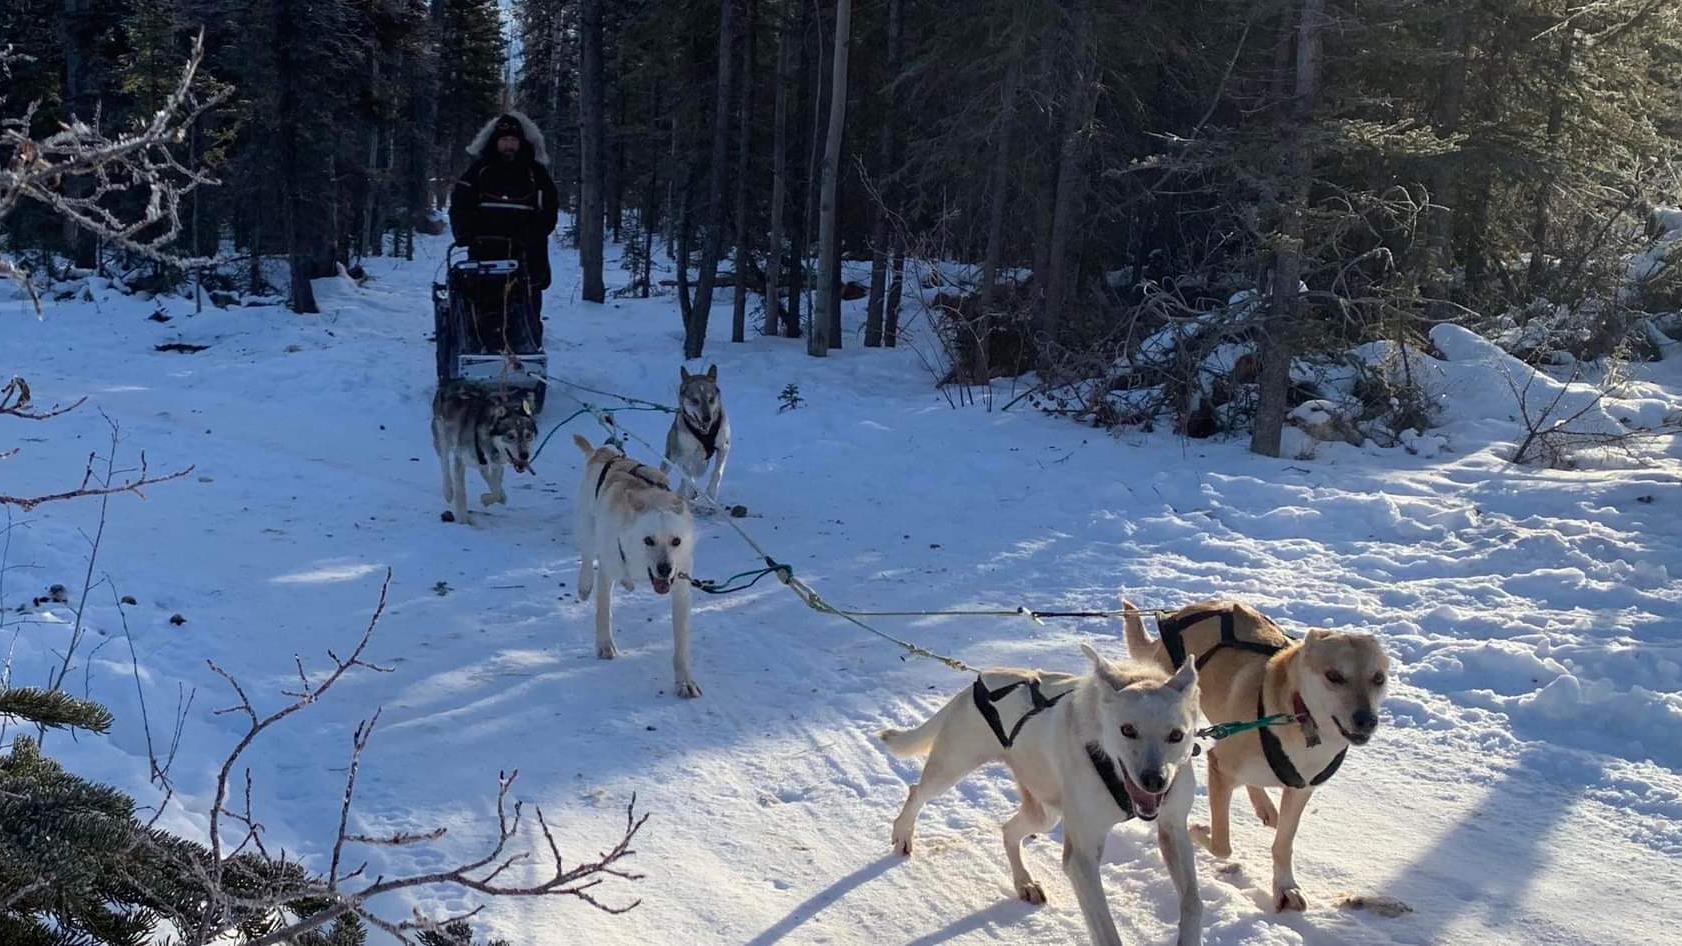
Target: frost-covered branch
<point x="83" y="175"/>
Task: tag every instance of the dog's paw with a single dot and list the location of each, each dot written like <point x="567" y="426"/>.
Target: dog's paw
<point x="1289" y="900"/>
<point x="902" y="845"/>
<point x="606" y="651"/>
<point x="491" y="499"/>
<point x="629" y="584"/>
<point x="1031" y="892"/>
<point x="1265" y="810"/>
<point x="688" y="689"/>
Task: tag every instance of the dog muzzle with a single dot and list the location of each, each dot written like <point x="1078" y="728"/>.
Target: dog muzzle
<point x="1145" y="804"/>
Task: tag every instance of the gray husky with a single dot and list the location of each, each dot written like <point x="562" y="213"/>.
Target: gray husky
<point x="700" y="434"/>
<point x="1097" y="750"/>
<point x="472" y="424"/>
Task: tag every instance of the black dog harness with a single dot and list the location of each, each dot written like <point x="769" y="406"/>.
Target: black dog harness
<point x="1101" y="761"/>
<point x="635" y="470"/>
<point x="985" y="698"/>
<point x="709" y="437"/>
<point x="1173" y="631"/>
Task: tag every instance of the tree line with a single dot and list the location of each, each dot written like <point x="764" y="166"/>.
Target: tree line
<point x="1083" y="172"/>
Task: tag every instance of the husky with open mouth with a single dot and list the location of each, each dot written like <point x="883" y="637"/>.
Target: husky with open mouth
<point x="1096" y="750"/>
<point x="492" y="431"/>
<point x="632" y="528"/>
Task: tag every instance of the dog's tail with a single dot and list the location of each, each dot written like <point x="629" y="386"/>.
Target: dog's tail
<point x="584" y="445"/>
<point x="907" y="743"/>
<point x="1139" y="645"/>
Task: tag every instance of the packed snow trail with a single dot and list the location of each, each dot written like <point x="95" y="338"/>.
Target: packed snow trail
<point x="1524" y="787"/>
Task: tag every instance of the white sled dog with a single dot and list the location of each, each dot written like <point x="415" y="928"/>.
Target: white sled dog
<point x="1332" y="682"/>
<point x="632" y="528"/>
<point x="700" y="433"/>
<point x="492" y="431"/>
<point x="1097" y="750"/>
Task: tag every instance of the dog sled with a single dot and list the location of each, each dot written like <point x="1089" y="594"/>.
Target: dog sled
<point x="486" y="320"/>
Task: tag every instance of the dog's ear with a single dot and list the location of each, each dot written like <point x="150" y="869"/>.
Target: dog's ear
<point x="712" y="372"/>
<point x="499" y="409"/>
<point x="1101" y="668"/>
<point x="1321" y="634"/>
<point x="1185" y="678"/>
<point x="683" y="373"/>
<point x="528" y="406"/>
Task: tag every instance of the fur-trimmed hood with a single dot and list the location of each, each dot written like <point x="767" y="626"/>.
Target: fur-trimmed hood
<point x="534" y="138"/>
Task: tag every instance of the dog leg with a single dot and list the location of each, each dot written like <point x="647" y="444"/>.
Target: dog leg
<point x="449" y="481"/>
<point x="946" y="765"/>
<point x="492" y="472"/>
<point x="586" y="576"/>
<point x="604" y="623"/>
<point x="1286" y="894"/>
<point x="1175" y="843"/>
<point x="1031" y="818"/>
<point x="1263" y="805"/>
<point x="1217" y="837"/>
<point x="1081" y="856"/>
<point x="458" y="487"/>
<point x="686" y="685"/>
<point x="718" y="472"/>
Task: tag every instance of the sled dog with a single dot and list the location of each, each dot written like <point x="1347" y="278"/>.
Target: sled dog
<point x="700" y="433"/>
<point x="1331" y="682"/>
<point x="1095" y="750"/>
<point x="471" y="424"/>
<point x="632" y="528"/>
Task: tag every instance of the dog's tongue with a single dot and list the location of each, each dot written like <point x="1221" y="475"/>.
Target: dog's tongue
<point x="661" y="585"/>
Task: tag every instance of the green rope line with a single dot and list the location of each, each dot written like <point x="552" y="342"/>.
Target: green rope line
<point x="783" y="573"/>
<point x="1221" y="731"/>
<point x="539" y="451"/>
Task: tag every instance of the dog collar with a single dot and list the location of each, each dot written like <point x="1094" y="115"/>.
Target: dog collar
<point x="1305" y="719"/>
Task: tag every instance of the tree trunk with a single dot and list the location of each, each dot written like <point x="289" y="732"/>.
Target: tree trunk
<point x="744" y="137"/>
<point x="890" y="319"/>
<point x="998" y="184"/>
<point x="590" y="163"/>
<point x="1445" y="172"/>
<point x="684" y="225"/>
<point x="695" y="338"/>
<point x="880" y="251"/>
<point x="616" y="168"/>
<point x="1278" y="339"/>
<point x="1070" y="179"/>
<point x="1544" y="186"/>
<point x="829" y="252"/>
<point x="779" y="185"/>
<point x="813" y="74"/>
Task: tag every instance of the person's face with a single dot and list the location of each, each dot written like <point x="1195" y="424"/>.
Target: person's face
<point x="508" y="146"/>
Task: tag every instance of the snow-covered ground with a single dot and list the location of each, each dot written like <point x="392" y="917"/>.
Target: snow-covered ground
<point x="1526" y="786"/>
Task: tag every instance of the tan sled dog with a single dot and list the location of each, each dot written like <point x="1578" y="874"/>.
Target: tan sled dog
<point x="632" y="528"/>
<point x="1331" y="682"/>
<point x="1097" y="750"/>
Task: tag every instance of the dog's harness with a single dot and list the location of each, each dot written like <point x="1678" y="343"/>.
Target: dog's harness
<point x="1111" y="777"/>
<point x="636" y="471"/>
<point x="1102" y="764"/>
<point x="1281" y="764"/>
<point x="1173" y="631"/>
<point x="985" y="698"/>
<point x="708" y="438"/>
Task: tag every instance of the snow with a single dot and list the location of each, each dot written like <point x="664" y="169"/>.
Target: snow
<point x="1526" y="786"/>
